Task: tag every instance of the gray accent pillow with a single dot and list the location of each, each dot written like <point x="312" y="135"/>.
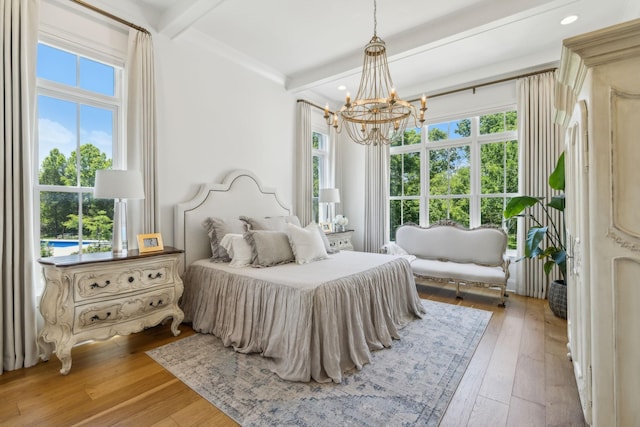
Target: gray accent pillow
<point x="274" y="223"/>
<point x="269" y="248"/>
<point x="217" y="228"/>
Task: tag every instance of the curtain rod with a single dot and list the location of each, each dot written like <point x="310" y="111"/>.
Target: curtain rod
<point x="304" y="101"/>
<point x="462" y="89"/>
<point x="493" y="82"/>
<point x="111" y="16"/>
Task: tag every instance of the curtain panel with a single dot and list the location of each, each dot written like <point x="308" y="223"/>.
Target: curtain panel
<point x="19" y="31"/>
<point x="540" y="146"/>
<point x="376" y="213"/>
<point x="335" y="160"/>
<point x="142" y="132"/>
<point x="304" y="168"/>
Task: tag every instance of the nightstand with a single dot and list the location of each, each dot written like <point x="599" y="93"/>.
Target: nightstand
<point x="96" y="296"/>
<point x="341" y="240"/>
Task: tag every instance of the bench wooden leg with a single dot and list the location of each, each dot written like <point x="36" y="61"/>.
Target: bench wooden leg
<point x="503" y="294"/>
<point x="458" y="296"/>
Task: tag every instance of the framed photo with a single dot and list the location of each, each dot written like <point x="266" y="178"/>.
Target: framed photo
<point x="326" y="227"/>
<point x="150" y="242"/>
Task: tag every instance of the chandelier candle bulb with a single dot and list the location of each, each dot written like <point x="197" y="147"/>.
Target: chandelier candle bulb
<point x="423" y="104"/>
<point x="348" y="99"/>
<point x="326" y="111"/>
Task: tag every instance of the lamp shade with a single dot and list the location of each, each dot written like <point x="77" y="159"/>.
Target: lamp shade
<point x="329" y="195"/>
<point x="118" y="184"/>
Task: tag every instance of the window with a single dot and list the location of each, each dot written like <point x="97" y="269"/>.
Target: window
<point x="320" y="153"/>
<point x="469" y="172"/>
<point x="79" y="106"/>
<point x="405" y="180"/>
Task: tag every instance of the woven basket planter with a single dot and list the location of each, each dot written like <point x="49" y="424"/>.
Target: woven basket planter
<point x="558" y="298"/>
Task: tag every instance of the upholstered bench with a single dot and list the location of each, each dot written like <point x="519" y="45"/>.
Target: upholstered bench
<point x="447" y="252"/>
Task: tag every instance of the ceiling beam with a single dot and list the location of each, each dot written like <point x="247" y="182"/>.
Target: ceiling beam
<point x="183" y="14"/>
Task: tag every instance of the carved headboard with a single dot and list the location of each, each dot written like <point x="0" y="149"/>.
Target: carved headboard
<point x="240" y="193"/>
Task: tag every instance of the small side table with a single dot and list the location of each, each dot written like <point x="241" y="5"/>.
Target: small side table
<point x="96" y="296"/>
<point x="341" y="240"/>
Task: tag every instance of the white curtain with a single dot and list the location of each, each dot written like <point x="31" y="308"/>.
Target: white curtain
<point x="376" y="217"/>
<point x="304" y="168"/>
<point x="19" y="32"/>
<point x="335" y="174"/>
<point x="540" y="147"/>
<point x="142" y="133"/>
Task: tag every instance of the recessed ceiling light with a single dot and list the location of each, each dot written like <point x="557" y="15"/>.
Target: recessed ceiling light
<point x="342" y="87"/>
<point x="569" y="19"/>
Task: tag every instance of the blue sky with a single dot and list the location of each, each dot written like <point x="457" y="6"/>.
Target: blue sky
<point x="449" y="128"/>
<point x="58" y="119"/>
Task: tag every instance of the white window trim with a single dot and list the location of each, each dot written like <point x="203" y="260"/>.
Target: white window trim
<point x="475" y="141"/>
<point x="325" y="180"/>
<point x="116" y="103"/>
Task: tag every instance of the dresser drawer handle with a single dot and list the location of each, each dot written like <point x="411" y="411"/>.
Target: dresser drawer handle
<point x="96" y="285"/>
<point x="158" y="275"/>
<point x="97" y="318"/>
<point x="131" y="279"/>
<point x="156" y="304"/>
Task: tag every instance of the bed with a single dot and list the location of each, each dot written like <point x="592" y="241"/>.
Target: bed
<point x="314" y="321"/>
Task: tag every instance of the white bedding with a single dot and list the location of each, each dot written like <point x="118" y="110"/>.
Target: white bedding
<point x="314" y="321"/>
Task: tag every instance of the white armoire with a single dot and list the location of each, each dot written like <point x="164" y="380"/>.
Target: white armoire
<point x="598" y="104"/>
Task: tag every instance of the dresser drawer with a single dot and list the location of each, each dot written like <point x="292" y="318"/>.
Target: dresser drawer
<point x="104" y="313"/>
<point x="115" y="279"/>
<point x="341" y="240"/>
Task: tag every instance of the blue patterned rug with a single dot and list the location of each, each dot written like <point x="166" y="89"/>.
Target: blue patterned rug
<point x="409" y="384"/>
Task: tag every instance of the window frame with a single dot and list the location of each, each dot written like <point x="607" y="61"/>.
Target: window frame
<point x="404" y="149"/>
<point x="74" y="94"/>
<point x="324" y="170"/>
<point x="475" y="141"/>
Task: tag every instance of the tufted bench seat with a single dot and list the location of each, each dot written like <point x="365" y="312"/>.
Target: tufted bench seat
<point x="447" y="252"/>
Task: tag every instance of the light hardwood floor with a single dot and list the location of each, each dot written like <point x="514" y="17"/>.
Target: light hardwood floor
<point x="519" y="376"/>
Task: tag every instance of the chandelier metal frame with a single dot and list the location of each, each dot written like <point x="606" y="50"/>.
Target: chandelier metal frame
<point x="377" y="115"/>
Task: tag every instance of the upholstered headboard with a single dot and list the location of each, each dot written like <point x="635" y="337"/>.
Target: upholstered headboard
<point x="241" y="193"/>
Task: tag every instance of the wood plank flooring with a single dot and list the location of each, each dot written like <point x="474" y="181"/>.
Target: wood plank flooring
<point x="519" y="376"/>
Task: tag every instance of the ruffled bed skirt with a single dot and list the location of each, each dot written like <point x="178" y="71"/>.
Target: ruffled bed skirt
<point x="308" y="332"/>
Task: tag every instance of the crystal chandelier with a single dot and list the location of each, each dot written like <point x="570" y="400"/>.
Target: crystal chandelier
<point x="377" y="115"/>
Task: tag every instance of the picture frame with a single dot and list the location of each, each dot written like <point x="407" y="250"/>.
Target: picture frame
<point x="151" y="242"/>
<point x="326" y="227"/>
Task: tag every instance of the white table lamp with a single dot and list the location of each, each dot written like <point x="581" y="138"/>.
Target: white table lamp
<point x="329" y="196"/>
<point x="119" y="185"/>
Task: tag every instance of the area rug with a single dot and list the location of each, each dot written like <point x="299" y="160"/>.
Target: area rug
<point x="409" y="384"/>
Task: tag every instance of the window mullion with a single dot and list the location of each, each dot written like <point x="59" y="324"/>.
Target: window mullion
<point x="476" y="168"/>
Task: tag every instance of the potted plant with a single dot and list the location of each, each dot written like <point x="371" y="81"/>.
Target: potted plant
<point x="546" y="239"/>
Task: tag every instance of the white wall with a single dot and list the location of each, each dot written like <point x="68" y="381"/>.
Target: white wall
<point x="215" y="116"/>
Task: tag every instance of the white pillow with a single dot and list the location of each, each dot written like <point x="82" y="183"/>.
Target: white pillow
<point x="393" y="248"/>
<point x="238" y="249"/>
<point x="306" y="243"/>
<point x="325" y="239"/>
